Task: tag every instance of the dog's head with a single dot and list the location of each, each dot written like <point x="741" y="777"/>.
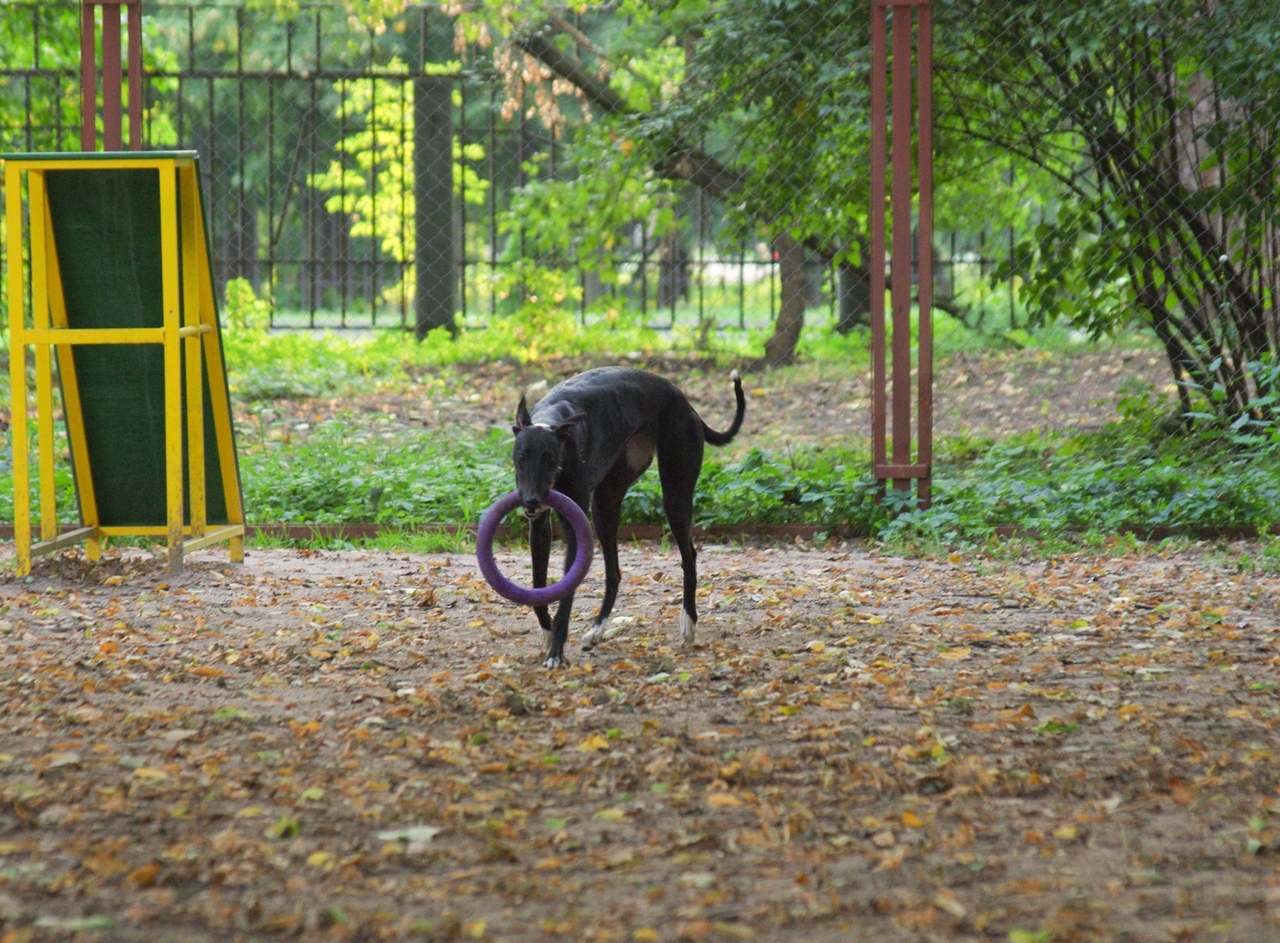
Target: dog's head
<point x="538" y="453"/>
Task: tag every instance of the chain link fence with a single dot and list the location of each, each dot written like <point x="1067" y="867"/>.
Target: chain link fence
<point x="1108" y="168"/>
<point x="364" y="173"/>
<point x="1139" y="142"/>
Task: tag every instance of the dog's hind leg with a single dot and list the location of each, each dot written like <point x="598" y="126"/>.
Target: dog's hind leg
<point x="606" y="513"/>
<point x="679" y="464"/>
<point x="540" y="551"/>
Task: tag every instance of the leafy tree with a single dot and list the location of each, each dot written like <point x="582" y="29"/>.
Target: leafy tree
<point x="716" y="112"/>
<point x="1158" y="121"/>
<point x="370" y="180"/>
<point x="763" y="106"/>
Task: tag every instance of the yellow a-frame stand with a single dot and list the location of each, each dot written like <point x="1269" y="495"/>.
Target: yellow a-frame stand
<point x="122" y="292"/>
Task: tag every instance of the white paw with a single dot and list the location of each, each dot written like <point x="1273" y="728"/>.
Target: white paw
<point x="688" y="627"/>
<point x="554" y="661"/>
<point x="591" y="638"/>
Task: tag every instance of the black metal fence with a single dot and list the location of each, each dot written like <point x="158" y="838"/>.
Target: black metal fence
<point x="352" y="188"/>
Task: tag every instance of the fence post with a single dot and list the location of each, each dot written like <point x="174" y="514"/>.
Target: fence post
<point x="113" y="74"/>
<point x="899" y="467"/>
<point x="435" y="251"/>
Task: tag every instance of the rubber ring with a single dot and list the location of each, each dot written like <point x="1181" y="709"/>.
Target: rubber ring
<point x="547" y="594"/>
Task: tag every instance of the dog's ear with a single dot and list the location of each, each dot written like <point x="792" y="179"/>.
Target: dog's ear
<point x="564" y="426"/>
<point x="523" y="418"/>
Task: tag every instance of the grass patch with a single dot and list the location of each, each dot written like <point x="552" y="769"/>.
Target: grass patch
<point x="1066" y="490"/>
<point x="1085" y="488"/>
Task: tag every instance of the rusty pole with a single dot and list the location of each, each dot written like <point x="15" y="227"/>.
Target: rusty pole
<point x="113" y="75"/>
<point x="895" y="419"/>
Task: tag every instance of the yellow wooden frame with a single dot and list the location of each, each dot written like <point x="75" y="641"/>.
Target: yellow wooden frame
<point x="189" y="334"/>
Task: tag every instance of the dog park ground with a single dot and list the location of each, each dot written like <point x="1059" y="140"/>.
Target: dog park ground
<point x="358" y="745"/>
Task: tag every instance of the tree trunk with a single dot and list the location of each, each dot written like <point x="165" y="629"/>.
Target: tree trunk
<point x="855" y="296"/>
<point x="780" y="349"/>
<point x="673" y="273"/>
<point x="435" y="248"/>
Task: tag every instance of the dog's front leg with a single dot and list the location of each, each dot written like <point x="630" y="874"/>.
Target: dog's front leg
<point x="560" y="625"/>
<point x="540" y="551"/>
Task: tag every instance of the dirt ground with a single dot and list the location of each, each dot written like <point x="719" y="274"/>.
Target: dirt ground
<point x="358" y="746"/>
<point x="980" y="394"/>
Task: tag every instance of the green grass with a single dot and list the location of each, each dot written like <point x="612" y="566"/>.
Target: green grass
<point x="1080" y="490"/>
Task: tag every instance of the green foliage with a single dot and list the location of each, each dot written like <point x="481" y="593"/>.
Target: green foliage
<point x="290" y="365"/>
<point x="294" y="364"/>
<point x="1133" y="474"/>
<point x="243" y="310"/>
<point x="580" y="217"/>
<point x="808" y="487"/>
<point x="371" y="180"/>
<point x="347" y="473"/>
<point x="1157" y="122"/>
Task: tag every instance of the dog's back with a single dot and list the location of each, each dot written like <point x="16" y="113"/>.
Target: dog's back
<point x="610" y="395"/>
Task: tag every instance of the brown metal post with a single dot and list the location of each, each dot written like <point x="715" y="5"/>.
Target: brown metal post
<point x="113" y="81"/>
<point x="900" y="469"/>
<point x="113" y="73"/>
<point x="135" y="77"/>
<point x="900" y="270"/>
<point x="924" y="225"/>
<point x="879" y="131"/>
<point x="88" y="79"/>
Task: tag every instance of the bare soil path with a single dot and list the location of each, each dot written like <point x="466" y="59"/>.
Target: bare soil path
<point x="357" y="746"/>
<point x="986" y="394"/>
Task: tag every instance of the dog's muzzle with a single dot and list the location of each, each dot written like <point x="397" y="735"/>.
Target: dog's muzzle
<point x="533" y="510"/>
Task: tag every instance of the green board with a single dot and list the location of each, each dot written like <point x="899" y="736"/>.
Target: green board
<point x="106" y="225"/>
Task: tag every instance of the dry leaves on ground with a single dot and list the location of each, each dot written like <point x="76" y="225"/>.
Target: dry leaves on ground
<point x="359" y="746"/>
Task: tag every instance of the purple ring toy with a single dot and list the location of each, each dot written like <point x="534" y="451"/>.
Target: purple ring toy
<point x="547" y="594"/>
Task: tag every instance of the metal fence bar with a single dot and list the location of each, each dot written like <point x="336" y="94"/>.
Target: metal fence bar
<point x="924" y="223"/>
<point x="900" y="469"/>
<point x="879" y="132"/>
<point x="266" y="111"/>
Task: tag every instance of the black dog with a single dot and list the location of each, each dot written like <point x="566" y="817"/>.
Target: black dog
<point x="591" y="437"/>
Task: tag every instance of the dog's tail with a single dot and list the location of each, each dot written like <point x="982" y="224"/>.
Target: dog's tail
<point x="724" y="438"/>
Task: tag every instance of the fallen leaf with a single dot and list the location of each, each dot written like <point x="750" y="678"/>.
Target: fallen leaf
<point x="318" y="859"/>
<point x="911" y="820"/>
<point x="144" y="876"/>
<point x="411" y="833"/>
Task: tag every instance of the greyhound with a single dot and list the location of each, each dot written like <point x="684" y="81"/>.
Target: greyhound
<point x="591" y="437"/>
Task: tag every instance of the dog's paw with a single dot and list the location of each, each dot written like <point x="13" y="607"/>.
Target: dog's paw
<point x="688" y="628"/>
<point x="593" y="637"/>
<point x="554" y="661"/>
